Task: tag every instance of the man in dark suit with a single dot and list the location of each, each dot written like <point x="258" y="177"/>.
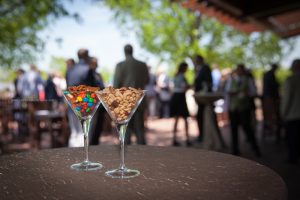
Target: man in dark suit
<point x="271" y="103"/>
<point x="133" y="73"/>
<point x="203" y="83"/>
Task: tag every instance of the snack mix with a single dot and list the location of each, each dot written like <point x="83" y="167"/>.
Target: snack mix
<point x="121" y="101"/>
<point x="83" y="99"/>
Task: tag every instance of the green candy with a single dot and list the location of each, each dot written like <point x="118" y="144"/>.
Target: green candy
<point x="88" y="95"/>
<point x="87" y="110"/>
<point x="91" y="100"/>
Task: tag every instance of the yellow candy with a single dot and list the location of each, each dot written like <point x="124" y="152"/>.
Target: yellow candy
<point x="79" y="99"/>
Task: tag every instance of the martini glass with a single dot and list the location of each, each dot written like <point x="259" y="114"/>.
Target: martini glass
<point x="84" y="103"/>
<point x="121" y="126"/>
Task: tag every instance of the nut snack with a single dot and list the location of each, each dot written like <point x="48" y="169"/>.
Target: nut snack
<point x="121" y="101"/>
<point x="82" y="98"/>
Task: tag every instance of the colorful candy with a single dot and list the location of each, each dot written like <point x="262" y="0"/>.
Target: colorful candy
<point x="82" y="98"/>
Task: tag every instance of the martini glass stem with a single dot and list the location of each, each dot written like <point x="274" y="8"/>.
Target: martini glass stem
<point x="85" y="123"/>
<point x="122" y="131"/>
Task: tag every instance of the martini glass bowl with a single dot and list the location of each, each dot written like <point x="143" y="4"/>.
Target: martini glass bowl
<point x="84" y="103"/>
<point x="121" y="104"/>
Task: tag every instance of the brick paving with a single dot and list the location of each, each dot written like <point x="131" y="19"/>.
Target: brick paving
<point x="159" y="132"/>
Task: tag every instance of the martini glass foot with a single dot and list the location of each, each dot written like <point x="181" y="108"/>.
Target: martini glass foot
<point x="86" y="166"/>
<point x="122" y="173"/>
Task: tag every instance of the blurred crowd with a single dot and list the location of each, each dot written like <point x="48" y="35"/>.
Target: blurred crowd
<point x="234" y="90"/>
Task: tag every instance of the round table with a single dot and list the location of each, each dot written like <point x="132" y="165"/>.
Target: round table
<point x="166" y="173"/>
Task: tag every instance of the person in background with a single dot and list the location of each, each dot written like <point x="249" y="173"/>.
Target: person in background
<point x="251" y="84"/>
<point x="95" y="80"/>
<point x="178" y="103"/>
<point x="271" y="103"/>
<point x="31" y="88"/>
<point x="217" y="105"/>
<point x="216" y="77"/>
<point x="164" y="94"/>
<point x="70" y="63"/>
<point x="151" y="95"/>
<point x="133" y="73"/>
<point x="223" y="87"/>
<point x="203" y="83"/>
<point x="252" y="91"/>
<point x="19" y="74"/>
<point x="290" y="112"/>
<point x="60" y="84"/>
<point x="30" y="84"/>
<point x="20" y="117"/>
<point x="240" y="105"/>
<point x="51" y="90"/>
<point x="77" y="75"/>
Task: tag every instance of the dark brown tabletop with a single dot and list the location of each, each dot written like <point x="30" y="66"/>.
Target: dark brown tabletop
<point x="166" y="173"/>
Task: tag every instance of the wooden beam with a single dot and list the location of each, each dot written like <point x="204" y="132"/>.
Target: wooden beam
<point x="289" y="34"/>
<point x="233" y="10"/>
<point x="260" y="16"/>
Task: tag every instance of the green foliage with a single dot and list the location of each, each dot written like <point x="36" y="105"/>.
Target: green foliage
<point x="174" y="33"/>
<point x="162" y="28"/>
<point x="20" y="23"/>
<point x="258" y="73"/>
<point x="7" y="76"/>
<point x="190" y="76"/>
<point x="58" y="65"/>
<point x="44" y="75"/>
<point x="282" y="74"/>
<point x="106" y="74"/>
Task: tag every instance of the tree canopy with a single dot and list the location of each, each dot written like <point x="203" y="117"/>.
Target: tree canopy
<point x="163" y="28"/>
<point x="174" y="33"/>
<point x="20" y="23"/>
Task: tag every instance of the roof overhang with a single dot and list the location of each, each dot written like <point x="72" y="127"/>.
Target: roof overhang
<point x="279" y="16"/>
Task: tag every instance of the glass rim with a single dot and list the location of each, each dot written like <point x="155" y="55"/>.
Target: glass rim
<point x="102" y="91"/>
<point x="78" y="91"/>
